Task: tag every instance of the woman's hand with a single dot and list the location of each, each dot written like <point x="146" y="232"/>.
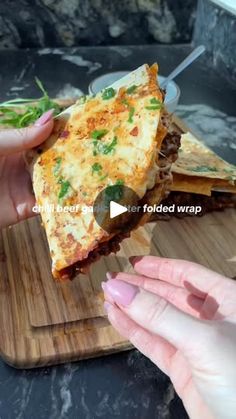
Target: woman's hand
<point x="17" y="198"/>
<point x="183" y="317"/>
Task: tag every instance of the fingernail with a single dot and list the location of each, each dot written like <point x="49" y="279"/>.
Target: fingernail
<point x="44" y="118"/>
<point x="121" y="292"/>
<point x="111" y="275"/>
<point x="103" y="285"/>
<point x="135" y="259"/>
<point x="107" y="306"/>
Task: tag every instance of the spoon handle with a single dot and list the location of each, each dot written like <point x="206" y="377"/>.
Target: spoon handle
<point x="185" y="63"/>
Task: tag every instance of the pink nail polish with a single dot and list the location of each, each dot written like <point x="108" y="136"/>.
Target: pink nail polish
<point x="44" y="118"/>
<point x="135" y="259"/>
<point x="121" y="292"/>
<point x="107" y="306"/>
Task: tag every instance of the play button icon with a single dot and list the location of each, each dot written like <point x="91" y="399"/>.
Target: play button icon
<point x="116" y="209"/>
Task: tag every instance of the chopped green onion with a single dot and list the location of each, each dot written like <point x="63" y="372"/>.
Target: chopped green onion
<point x="131" y="114"/>
<point x="125" y="102"/>
<point x="57" y="167"/>
<point x="108" y="93"/>
<point x="108" y="148"/>
<point x="120" y="182"/>
<point x="101" y="148"/>
<point x="103" y="177"/>
<point x="96" y="167"/>
<point x="155" y="104"/>
<point x="155" y="101"/>
<point x="131" y="89"/>
<point x="65" y="186"/>
<point x="98" y="134"/>
<point x="113" y="192"/>
<point x="82" y="99"/>
<point x="152" y="108"/>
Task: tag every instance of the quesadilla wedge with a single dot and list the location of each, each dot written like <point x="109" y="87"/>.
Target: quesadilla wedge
<point x="200" y="177"/>
<point x="117" y="137"/>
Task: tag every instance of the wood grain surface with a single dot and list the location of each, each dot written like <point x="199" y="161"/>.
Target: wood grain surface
<point x="43" y="322"/>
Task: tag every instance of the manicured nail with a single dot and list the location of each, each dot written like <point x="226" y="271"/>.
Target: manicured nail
<point x="107" y="306"/>
<point x="103" y="285"/>
<point x="44" y="118"/>
<point x="121" y="292"/>
<point x="135" y="259"/>
<point x="111" y="275"/>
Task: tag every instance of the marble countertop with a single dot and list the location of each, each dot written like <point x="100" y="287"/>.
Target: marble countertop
<point x="126" y="384"/>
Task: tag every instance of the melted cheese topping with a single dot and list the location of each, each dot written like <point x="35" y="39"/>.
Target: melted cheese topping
<point x="96" y="144"/>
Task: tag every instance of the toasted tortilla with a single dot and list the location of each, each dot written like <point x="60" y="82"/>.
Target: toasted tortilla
<point x="199" y="170"/>
<point x="113" y="137"/>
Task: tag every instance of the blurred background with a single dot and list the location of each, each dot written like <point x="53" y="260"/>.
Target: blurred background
<point x="73" y="23"/>
<point x="54" y="23"/>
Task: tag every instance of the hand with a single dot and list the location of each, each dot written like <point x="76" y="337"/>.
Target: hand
<point x="17" y="198"/>
<point x="183" y="317"/>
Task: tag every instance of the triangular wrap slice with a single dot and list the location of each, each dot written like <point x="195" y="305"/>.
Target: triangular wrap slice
<point x="114" y="137"/>
<point x="199" y="170"/>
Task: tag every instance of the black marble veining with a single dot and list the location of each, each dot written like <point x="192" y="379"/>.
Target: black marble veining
<point x="125" y="385"/>
<point x="53" y="23"/>
<point x="215" y="27"/>
<point x="119" y="386"/>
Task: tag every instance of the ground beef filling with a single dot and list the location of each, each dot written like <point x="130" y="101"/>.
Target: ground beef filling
<point x="168" y="154"/>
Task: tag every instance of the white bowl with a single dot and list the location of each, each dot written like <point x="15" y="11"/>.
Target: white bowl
<point x="101" y="82"/>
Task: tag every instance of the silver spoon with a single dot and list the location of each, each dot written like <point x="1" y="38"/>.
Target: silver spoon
<point x="184" y="64"/>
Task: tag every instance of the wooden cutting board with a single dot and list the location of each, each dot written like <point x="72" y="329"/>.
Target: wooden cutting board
<point x="43" y="322"/>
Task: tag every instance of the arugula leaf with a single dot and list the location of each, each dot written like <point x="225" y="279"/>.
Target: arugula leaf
<point x="30" y="109"/>
<point x="40" y="86"/>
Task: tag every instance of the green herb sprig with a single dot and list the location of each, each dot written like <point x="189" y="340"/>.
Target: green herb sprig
<point x="29" y="109"/>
